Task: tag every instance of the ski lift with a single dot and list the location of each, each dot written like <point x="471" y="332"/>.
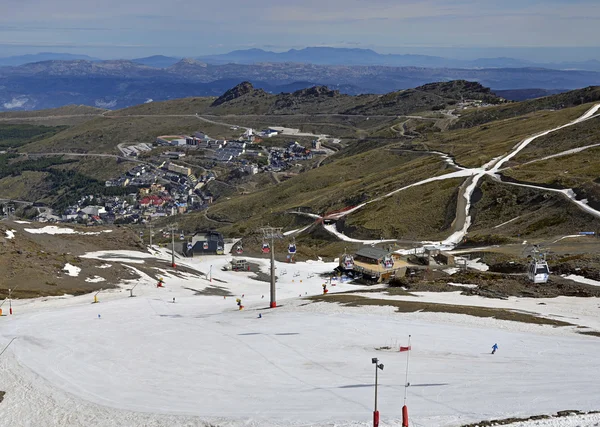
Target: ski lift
<point x="292" y="247"/>
<point x="181" y="236"/>
<point x="388" y="262"/>
<point x="266" y="248"/>
<point x="205" y="245"/>
<point x="537" y="270"/>
<point x="347" y="261"/>
<point x="239" y="250"/>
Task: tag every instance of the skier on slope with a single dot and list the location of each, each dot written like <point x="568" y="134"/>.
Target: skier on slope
<point x="494" y="348"/>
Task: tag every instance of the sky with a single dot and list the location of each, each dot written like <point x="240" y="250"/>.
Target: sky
<point x="530" y="29"/>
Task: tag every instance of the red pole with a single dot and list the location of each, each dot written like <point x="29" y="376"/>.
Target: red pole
<point x="375" y="418"/>
<point x="404" y="416"/>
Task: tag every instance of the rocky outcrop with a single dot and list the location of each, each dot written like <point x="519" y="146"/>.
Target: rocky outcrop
<point x="238" y="91"/>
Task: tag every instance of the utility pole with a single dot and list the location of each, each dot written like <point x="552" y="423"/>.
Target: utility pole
<point x="173" y="227"/>
<point x="271" y="233"/>
<point x="150" y="226"/>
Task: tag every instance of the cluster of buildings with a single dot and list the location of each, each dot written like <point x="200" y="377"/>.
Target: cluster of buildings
<point x="282" y="158"/>
<point x="167" y="190"/>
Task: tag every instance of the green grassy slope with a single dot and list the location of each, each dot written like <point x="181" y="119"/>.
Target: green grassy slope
<point x="477" y="145"/>
<point x="555" y="102"/>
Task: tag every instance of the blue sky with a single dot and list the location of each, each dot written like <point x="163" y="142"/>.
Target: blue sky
<point x="532" y="29"/>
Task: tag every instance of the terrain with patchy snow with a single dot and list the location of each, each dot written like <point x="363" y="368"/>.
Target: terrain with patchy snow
<point x="173" y="357"/>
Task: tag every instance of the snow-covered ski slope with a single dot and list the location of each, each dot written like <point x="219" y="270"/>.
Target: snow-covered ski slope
<point x="149" y="361"/>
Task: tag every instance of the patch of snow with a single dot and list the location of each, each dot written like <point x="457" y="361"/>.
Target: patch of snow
<point x="452" y="270"/>
<point x="53" y="229"/>
<point x="23" y="222"/>
<point x="297" y="231"/>
<point x="10" y="234"/>
<point x="72" y="270"/>
<point x="572" y="236"/>
<point x="462" y="285"/>
<point x="105" y="266"/>
<point x="507" y="222"/>
<point x="581" y="279"/>
<point x="331" y="228"/>
<point x="476" y="264"/>
<point x="95" y="279"/>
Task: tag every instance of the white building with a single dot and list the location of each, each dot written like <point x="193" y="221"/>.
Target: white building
<point x="94" y="210"/>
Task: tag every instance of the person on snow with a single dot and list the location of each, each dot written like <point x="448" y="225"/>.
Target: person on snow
<point x="494" y="348"/>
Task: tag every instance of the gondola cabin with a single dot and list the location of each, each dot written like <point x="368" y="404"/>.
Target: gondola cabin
<point x="239" y="250"/>
<point x="292" y="248"/>
<point x="538" y="271"/>
<point x="266" y="248"/>
<point x="347" y="262"/>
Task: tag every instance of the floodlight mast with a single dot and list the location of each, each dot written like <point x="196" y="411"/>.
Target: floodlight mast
<point x="272" y="233"/>
<point x="172" y="228"/>
<point x="378" y="366"/>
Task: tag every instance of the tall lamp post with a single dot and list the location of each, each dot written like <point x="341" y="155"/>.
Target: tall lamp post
<point x="378" y="366"/>
<point x="271" y="233"/>
<point x="172" y="228"/>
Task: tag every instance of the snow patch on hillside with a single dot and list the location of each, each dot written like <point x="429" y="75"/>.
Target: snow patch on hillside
<point x="53" y="229"/>
<point x="72" y="270"/>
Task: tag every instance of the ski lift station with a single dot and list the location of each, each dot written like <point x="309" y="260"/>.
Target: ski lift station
<point x="374" y="263"/>
<point x="207" y="243"/>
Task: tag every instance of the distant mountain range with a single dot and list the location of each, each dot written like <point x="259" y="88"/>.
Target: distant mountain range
<point x="324" y="56"/>
<point x="15" y="61"/>
<point x="122" y="83"/>
<point x="345" y="56"/>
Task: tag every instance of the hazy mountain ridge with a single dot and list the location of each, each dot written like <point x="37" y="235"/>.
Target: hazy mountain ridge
<point x="356" y="56"/>
<point x="123" y="83"/>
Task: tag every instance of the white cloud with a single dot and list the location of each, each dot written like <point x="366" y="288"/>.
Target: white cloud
<point x="105" y="104"/>
<point x="16" y="103"/>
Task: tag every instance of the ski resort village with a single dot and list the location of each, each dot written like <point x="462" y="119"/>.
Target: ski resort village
<point x="435" y="267"/>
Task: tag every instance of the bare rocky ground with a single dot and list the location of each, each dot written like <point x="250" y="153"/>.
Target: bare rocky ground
<point x="496" y="285"/>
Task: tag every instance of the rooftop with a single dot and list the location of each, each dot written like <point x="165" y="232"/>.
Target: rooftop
<point x="371" y="252"/>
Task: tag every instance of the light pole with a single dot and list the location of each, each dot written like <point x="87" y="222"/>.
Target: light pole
<point x="378" y="366"/>
<point x="173" y="227"/>
<point x="270" y="233"/>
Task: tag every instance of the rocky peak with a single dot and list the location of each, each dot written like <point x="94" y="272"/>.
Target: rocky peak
<point x="238" y="91"/>
<point x="316" y="91"/>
